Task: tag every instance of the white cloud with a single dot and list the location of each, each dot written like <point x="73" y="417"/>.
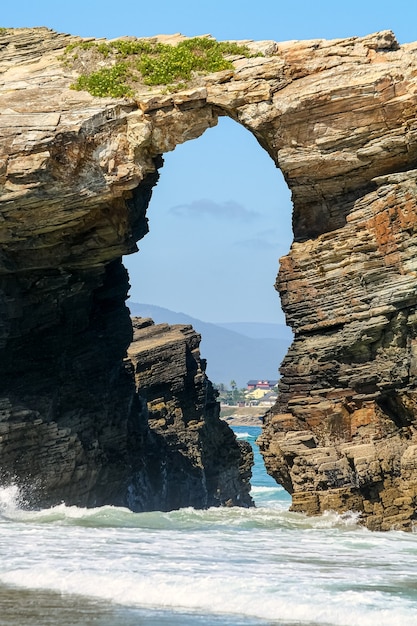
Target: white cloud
<point x="227" y="210"/>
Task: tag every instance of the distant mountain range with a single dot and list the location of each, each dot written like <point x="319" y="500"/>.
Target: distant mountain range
<point x="237" y="351"/>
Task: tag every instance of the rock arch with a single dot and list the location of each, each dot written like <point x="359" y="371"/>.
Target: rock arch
<point x="76" y="174"/>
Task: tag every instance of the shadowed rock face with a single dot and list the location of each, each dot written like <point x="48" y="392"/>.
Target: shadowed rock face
<point x="202" y="462"/>
<point x="76" y="174"/>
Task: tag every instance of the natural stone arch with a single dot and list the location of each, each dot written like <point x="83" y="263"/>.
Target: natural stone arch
<point x="220" y="208"/>
<point x="338" y="118"/>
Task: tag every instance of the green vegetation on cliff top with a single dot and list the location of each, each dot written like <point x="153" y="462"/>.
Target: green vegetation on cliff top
<point x="128" y="63"/>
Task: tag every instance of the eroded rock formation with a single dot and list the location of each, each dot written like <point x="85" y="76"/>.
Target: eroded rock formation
<point x="76" y="173"/>
<point x="202" y="462"/>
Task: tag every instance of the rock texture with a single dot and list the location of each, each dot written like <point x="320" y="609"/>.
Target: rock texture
<point x="76" y="173"/>
<point x="203" y="463"/>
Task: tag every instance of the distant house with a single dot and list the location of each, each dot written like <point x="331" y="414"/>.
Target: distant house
<point x="255" y="394"/>
<point x="261" y="384"/>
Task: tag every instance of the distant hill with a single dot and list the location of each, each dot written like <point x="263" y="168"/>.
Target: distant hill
<point x="254" y="351"/>
<point x="259" y="330"/>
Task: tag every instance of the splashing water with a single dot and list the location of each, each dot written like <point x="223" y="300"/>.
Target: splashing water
<point x="9" y="500"/>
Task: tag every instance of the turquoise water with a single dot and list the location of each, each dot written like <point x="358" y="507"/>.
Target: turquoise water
<point x="228" y="567"/>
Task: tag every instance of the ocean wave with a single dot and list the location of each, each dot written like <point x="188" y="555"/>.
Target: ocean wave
<point x="270" y="513"/>
<point x="245" y="436"/>
<point x="265" y="489"/>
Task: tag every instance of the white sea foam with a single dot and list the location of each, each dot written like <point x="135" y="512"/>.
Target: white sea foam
<point x="268" y="564"/>
<point x="265" y="563"/>
<point x="233" y="590"/>
<point x="9" y="500"/>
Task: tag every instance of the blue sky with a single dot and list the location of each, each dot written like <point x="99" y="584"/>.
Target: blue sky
<point x="220" y="216"/>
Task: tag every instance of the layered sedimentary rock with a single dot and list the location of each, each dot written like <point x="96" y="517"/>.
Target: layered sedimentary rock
<point x="202" y="462"/>
<point x="76" y="174"/>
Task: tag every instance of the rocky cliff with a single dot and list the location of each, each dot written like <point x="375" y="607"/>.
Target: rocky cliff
<point x="76" y="174"/>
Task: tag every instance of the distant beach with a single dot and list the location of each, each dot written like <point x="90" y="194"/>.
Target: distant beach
<point x="243" y="415"/>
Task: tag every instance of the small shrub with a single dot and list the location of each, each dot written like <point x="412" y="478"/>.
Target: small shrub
<point x="109" y="81"/>
<point x="103" y="49"/>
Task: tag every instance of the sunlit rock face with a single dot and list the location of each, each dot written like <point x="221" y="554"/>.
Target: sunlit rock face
<point x="78" y="420"/>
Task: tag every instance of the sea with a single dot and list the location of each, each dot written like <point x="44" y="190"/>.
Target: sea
<point x="265" y="566"/>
